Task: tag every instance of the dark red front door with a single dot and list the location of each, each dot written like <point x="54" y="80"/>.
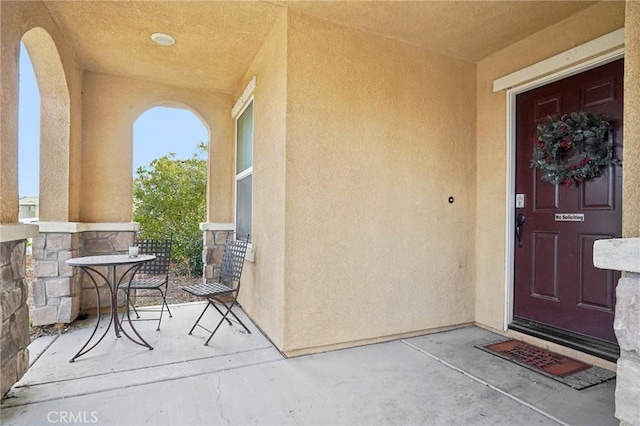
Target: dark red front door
<point x="556" y="283"/>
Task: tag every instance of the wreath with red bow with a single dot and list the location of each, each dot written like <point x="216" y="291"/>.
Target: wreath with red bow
<point x="572" y="148"/>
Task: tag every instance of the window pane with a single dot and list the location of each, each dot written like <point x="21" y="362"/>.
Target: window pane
<point x="243" y="206"/>
<point x="245" y="139"/>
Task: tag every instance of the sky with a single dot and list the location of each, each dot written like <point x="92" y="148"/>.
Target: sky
<point x="156" y="132"/>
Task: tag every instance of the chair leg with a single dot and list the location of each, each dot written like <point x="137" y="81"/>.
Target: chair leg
<point x="224" y="317"/>
<point x="231" y="312"/>
<point x="218" y="309"/>
<point x="160" y="319"/>
<point x="164" y="304"/>
<point x="240" y="322"/>
<point x="128" y="303"/>
<point x="200" y="317"/>
<point x="164" y="298"/>
<point x="133" y="306"/>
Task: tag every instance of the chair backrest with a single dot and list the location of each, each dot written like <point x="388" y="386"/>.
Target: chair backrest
<point x="161" y="248"/>
<point x="235" y="249"/>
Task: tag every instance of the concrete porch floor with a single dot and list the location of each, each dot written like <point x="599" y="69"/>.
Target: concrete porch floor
<point x="437" y="379"/>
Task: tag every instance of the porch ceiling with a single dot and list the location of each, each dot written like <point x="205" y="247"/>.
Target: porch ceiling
<point x="216" y="40"/>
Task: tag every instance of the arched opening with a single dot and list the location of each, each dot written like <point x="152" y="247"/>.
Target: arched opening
<point x="44" y="165"/>
<point x="28" y="140"/>
<point x="28" y="157"/>
<point x="54" y="125"/>
<point x="170" y="155"/>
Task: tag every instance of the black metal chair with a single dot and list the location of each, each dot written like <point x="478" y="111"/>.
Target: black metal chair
<point x="225" y="289"/>
<point x="152" y="275"/>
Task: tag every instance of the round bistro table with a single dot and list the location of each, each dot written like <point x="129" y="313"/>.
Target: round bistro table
<point x="90" y="265"/>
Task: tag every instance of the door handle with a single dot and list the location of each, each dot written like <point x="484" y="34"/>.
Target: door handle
<point x="519" y="224"/>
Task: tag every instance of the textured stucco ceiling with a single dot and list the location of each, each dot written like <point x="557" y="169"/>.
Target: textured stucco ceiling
<point x="216" y="40"/>
<point x="469" y="30"/>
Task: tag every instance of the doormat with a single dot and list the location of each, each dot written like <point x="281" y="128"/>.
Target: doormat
<point x="569" y="371"/>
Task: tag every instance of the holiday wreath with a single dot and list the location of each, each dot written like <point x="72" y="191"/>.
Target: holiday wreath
<point x="572" y="148"/>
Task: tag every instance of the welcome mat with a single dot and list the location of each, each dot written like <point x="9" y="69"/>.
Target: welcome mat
<point x="569" y="371"/>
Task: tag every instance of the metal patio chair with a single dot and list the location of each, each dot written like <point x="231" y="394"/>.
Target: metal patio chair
<point x="152" y="275"/>
<point x="224" y="291"/>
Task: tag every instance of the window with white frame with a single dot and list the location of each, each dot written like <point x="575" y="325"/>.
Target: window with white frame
<point x="244" y="169"/>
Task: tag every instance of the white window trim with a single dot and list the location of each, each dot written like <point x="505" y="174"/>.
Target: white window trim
<point x="246" y="99"/>
<point x="249" y="170"/>
<point x="243" y="100"/>
<point x="246" y="172"/>
<point x="599" y="50"/>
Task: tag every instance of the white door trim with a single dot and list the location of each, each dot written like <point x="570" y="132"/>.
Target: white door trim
<point x="601" y="59"/>
<point x="608" y="42"/>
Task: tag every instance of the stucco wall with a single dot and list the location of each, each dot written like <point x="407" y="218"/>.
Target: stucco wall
<point x="111" y="106"/>
<point x="262" y="294"/>
<point x="60" y="202"/>
<point x="593" y="22"/>
<point x="631" y="169"/>
<point x="379" y="135"/>
<point x="54" y="125"/>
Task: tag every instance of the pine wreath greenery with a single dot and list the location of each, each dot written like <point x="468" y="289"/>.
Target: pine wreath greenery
<point x="572" y="148"/>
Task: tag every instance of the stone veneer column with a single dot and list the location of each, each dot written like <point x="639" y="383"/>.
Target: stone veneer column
<point x="623" y="254"/>
<point x="56" y="289"/>
<point x="214" y="236"/>
<point x="60" y="291"/>
<point x="14" y="334"/>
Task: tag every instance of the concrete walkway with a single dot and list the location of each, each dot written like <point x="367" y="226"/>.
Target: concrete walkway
<point x="240" y="379"/>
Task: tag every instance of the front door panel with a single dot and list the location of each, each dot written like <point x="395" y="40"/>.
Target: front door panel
<point x="556" y="283"/>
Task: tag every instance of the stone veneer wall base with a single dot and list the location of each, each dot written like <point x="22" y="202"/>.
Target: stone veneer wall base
<point x="623" y="254"/>
<point x="14" y="335"/>
<point x="59" y="291"/>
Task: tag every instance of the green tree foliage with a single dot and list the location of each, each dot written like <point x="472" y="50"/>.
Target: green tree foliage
<point x="169" y="198"/>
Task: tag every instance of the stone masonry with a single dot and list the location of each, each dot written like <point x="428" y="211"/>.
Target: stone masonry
<point x="627" y="327"/>
<point x="102" y="243"/>
<point x="623" y="254"/>
<point x="212" y="252"/>
<point x="56" y="289"/>
<point x="60" y="291"/>
<point x="14" y="312"/>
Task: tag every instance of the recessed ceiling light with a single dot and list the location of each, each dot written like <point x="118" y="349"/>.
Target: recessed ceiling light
<point x="163" y="39"/>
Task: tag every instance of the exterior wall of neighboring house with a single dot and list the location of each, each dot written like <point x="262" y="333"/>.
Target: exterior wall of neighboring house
<point x="111" y="106"/>
<point x="491" y="178"/>
<point x="28" y="208"/>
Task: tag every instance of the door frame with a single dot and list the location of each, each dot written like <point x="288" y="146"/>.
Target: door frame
<point x="600" y="55"/>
